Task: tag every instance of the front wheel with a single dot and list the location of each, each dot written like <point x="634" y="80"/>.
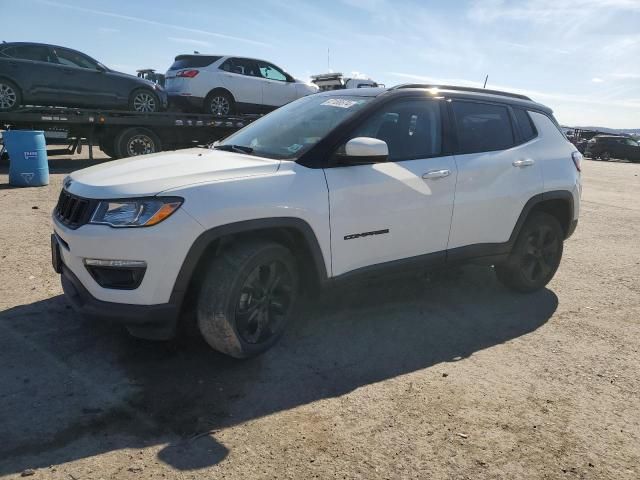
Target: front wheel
<point x="247" y="298"/>
<point x="144" y="101"/>
<point x="535" y="256"/>
<point x="606" y="156"/>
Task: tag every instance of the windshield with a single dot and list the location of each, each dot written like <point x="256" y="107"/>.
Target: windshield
<point x="292" y="130"/>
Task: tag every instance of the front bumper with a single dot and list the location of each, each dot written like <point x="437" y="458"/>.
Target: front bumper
<point x="154" y="322"/>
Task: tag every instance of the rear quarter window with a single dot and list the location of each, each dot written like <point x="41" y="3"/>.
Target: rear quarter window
<point x="193" y="61"/>
<point x="482" y="127"/>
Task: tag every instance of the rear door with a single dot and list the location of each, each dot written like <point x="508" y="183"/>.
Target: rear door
<point x="33" y="68"/>
<point x="398" y="209"/>
<point x="498" y="172"/>
<point x="242" y="78"/>
<point x="276" y="89"/>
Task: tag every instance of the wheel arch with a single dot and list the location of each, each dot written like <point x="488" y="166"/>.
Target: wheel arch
<point x="295" y="233"/>
<point x="15" y="82"/>
<point x="558" y="203"/>
<point x="220" y="89"/>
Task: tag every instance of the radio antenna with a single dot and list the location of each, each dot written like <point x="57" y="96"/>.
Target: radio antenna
<point x="485" y="81"/>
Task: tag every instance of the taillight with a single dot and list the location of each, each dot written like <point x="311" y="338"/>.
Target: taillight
<point x="187" y="73"/>
<point x="577" y="160"/>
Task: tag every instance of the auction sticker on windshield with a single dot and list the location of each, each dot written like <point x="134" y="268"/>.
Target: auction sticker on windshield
<point x="341" y="102"/>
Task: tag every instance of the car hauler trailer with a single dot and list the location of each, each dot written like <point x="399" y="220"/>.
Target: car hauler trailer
<point x="121" y="133"/>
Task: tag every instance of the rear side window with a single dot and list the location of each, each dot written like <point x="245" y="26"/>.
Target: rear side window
<point x="411" y="128"/>
<point x="36" y="53"/>
<point x="482" y="127"/>
<point x="527" y="130"/>
<point x="193" y="61"/>
<point x="241" y="66"/>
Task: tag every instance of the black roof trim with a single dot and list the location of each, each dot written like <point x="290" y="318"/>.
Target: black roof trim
<point x="461" y="89"/>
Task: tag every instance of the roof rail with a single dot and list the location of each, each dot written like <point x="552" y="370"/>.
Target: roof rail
<point x="462" y="89"/>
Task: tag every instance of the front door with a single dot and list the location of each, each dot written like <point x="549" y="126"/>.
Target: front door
<point x="80" y="82"/>
<point x="398" y="209"/>
<point x="276" y="89"/>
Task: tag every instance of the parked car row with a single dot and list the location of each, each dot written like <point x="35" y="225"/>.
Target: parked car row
<point x="41" y="74"/>
<point x="607" y="147"/>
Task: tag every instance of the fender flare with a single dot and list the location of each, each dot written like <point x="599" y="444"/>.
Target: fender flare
<point x="205" y="239"/>
<point x="564" y="195"/>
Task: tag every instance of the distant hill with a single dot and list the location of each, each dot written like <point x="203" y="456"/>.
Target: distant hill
<point x="635" y="131"/>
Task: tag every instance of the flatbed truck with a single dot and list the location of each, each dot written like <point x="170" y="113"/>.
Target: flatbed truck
<point x="122" y="133"/>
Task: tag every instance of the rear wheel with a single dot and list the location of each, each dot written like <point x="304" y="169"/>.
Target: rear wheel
<point x="135" y="141"/>
<point x="247" y="298"/>
<point x="535" y="256"/>
<point x="219" y="103"/>
<point x="10" y="98"/>
<point x="144" y="101"/>
<point x="606" y="156"/>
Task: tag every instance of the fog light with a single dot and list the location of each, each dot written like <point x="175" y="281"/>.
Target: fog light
<point x="116" y="274"/>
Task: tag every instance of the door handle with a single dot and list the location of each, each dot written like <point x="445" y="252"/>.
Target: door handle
<point x="524" y="163"/>
<point x="435" y="174"/>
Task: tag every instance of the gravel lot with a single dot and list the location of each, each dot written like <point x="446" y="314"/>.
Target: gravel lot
<point x="442" y="376"/>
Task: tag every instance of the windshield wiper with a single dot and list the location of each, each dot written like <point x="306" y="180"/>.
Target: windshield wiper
<point x="234" y="148"/>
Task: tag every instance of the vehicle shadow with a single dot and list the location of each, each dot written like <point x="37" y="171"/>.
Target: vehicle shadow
<point x="75" y="389"/>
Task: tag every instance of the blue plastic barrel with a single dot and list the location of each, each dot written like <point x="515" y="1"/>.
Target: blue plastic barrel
<point x="28" y="165"/>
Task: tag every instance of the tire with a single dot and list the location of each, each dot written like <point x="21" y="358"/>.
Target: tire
<point x="606" y="156"/>
<point x="535" y="256"/>
<point x="219" y="103"/>
<point x="144" y="101"/>
<point x="10" y="96"/>
<point x="132" y="142"/>
<point x="241" y="279"/>
<point x="108" y="147"/>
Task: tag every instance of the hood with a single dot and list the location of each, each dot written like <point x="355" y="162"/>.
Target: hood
<point x="148" y="175"/>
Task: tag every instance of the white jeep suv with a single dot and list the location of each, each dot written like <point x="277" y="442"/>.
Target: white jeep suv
<point x="223" y="85"/>
<point x="326" y="188"/>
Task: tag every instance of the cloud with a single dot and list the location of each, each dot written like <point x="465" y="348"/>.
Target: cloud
<point x="190" y="41"/>
<point x="152" y="22"/>
<point x="626" y="76"/>
<point x="597" y="80"/>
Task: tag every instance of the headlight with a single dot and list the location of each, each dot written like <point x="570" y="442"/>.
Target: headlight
<point x="140" y="212"/>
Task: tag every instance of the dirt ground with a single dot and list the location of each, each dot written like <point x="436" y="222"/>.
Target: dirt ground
<point x="447" y="376"/>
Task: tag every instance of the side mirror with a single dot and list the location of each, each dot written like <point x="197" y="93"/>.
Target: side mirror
<point x="365" y="150"/>
<point x="102" y="69"/>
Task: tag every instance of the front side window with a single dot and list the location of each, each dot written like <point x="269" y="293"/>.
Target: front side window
<point x="35" y="53"/>
<point x="271" y="72"/>
<point x="294" y="129"/>
<point x="70" y="58"/>
<point x="631" y="142"/>
<point x="411" y="128"/>
<point x="482" y="127"/>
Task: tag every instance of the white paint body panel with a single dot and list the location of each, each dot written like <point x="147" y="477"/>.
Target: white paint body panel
<point x="393" y="196"/>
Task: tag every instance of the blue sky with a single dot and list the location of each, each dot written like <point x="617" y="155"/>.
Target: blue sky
<point x="583" y="61"/>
